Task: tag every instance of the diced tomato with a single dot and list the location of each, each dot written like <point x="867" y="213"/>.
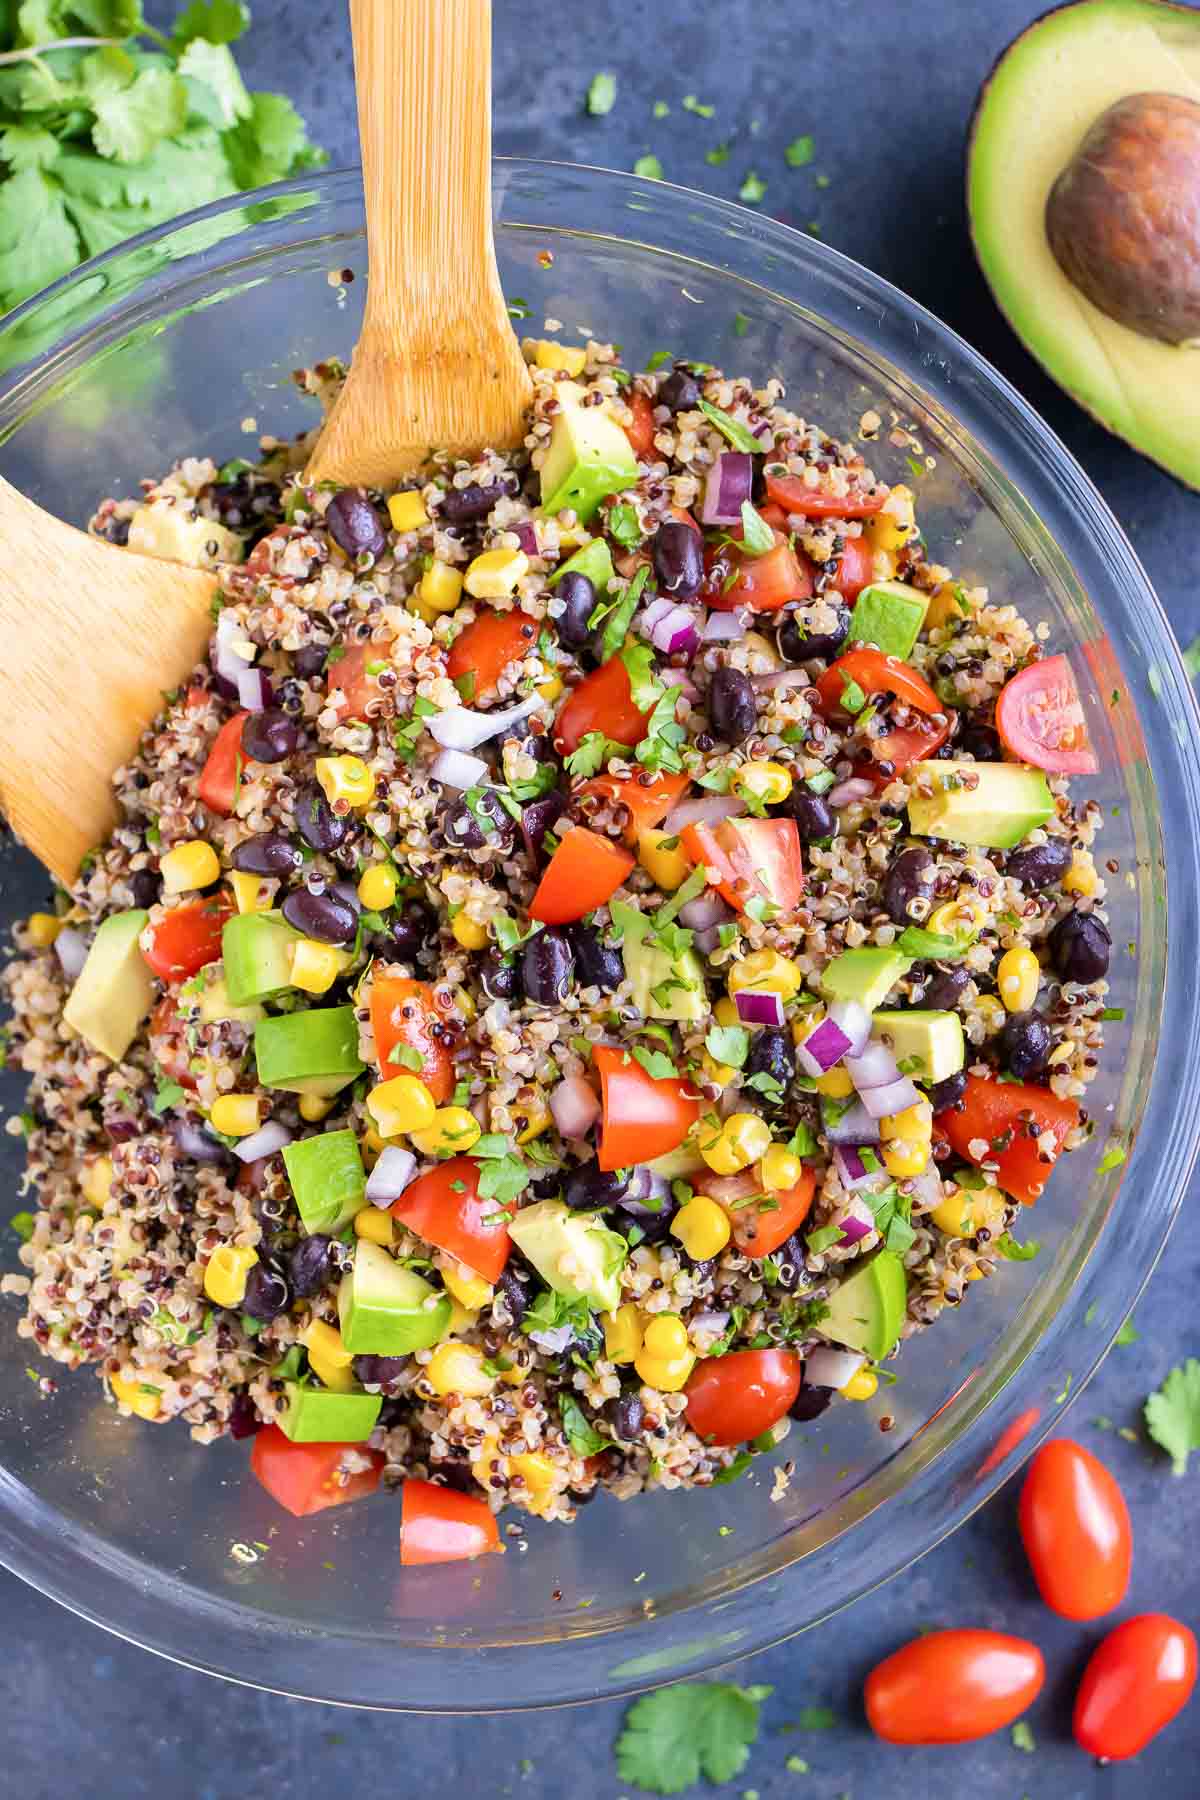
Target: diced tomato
<point x="403" y="1012"/>
<point x="188" y="938"/>
<point x="486" y="648"/>
<point x="304" y="1477"/>
<point x="875" y="674"/>
<point x="763" y="583"/>
<point x="731" y="1399"/>
<point x="196" y="697"/>
<point x="581" y="875"/>
<point x="759" y="1229"/>
<point x="775" y="517"/>
<point x="218" y="784"/>
<point x="856" y="567"/>
<point x="348" y="676"/>
<point x="643" y="1116"/>
<point x="1040" y="719"/>
<point x="603" y="701"/>
<point x="755" y="859"/>
<point x="647" y="800"/>
<point x="791" y="493"/>
<point x="440" y="1525"/>
<point x="443" y="1207"/>
<point x="1008" y="1118"/>
<point x="169" y="1044"/>
<point x="641" y="432"/>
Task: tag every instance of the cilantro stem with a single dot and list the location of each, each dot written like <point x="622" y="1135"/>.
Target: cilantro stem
<point x="31" y="52"/>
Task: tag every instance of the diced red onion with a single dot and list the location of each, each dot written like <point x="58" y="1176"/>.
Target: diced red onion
<point x="264" y="1142"/>
<point x="856" y="787"/>
<point x="851" y="1167"/>
<point x="197" y="1143"/>
<point x="707" y="940"/>
<point x="855" y="1126"/>
<point x="675" y="630"/>
<point x="679" y="678"/>
<point x="714" y="1322"/>
<point x="658" y="609"/>
<point x="824" y="1046"/>
<point x="224" y="658"/>
<point x="854" y="1229"/>
<point x="781" y="678"/>
<point x="706" y="809"/>
<point x="855" y="1021"/>
<point x="729" y="482"/>
<point x="391" y="1175"/>
<point x="874" y="1067"/>
<point x="758" y="1008"/>
<point x="527" y="538"/>
<point x="574" y="1106"/>
<point x="894" y="1097"/>
<point x="71" y="948"/>
<point x="705" y="910"/>
<point x="459" y="728"/>
<point x="254" y="690"/>
<point x="455" y="769"/>
<point x="723" y="628"/>
<point x="826" y="1367"/>
<point x="926" y="1188"/>
<point x="646" y="1194"/>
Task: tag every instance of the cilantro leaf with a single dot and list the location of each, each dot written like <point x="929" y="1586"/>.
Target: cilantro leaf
<point x="731" y="429"/>
<point x="799" y="152"/>
<point x="1128" y="1334"/>
<point x="166" y="1094"/>
<point x="593" y="752"/>
<point x="583" y="1439"/>
<point x="1173" y="1414"/>
<point x="220" y="21"/>
<point x="752" y="189"/>
<point x="645" y="690"/>
<point x="656" y="1063"/>
<point x="213" y="68"/>
<point x="269" y="143"/>
<point x="616" y="626"/>
<point x="135" y="108"/>
<point x="757" y="536"/>
<point x="650" y="167"/>
<point x="1007" y="1246"/>
<point x="31" y="259"/>
<point x="602" y="93"/>
<point x="22" y="1224"/>
<point x="728" y="1044"/>
<point x="814" y="1718"/>
<point x="504" y="1175"/>
<point x="1023" y="1738"/>
<point x="717" y="155"/>
<point x="673" y="1737"/>
<point x="624" y="525"/>
<point x="913" y="941"/>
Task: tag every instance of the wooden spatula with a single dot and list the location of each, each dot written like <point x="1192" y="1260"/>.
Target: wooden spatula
<point x="437" y="362"/>
<point x="90" y="639"/>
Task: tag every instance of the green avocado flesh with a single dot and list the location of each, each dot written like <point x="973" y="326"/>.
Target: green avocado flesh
<point x="1042" y="97"/>
<point x="927" y="1045"/>
<point x="114" y="990"/>
<point x="328" y="1180"/>
<point x="255" y="948"/>
<point x="867" y="975"/>
<point x="319" y="1416"/>
<point x="313" y="1052"/>
<point x="589" y="456"/>
<point x="385" y="1309"/>
<point x="993" y="804"/>
<point x="573" y="1252"/>
<point x="867" y="1310"/>
<point x="888" y="614"/>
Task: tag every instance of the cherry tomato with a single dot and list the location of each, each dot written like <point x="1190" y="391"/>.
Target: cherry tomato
<point x="1076" y="1531"/>
<point x="755" y="859"/>
<point x="168" y="1043"/>
<point x="304" y="1477"/>
<point x="259" y="560"/>
<point x="348" y="676"/>
<point x="440" y="1525"/>
<point x="603" y="701"/>
<point x="759" y="1229"/>
<point x="643" y="1116"/>
<point x="219" y="778"/>
<point x="1040" y="719"/>
<point x="581" y="875"/>
<point x="899" y="749"/>
<point x="641" y="432"/>
<point x="486" y="648"/>
<point x="731" y="1399"/>
<point x="856" y="568"/>
<point x="791" y="493"/>
<point x="443" y="1206"/>
<point x="876" y="674"/>
<point x="647" y="799"/>
<point x="1137" y="1679"/>
<point x="187" y="939"/>
<point x="763" y="583"/>
<point x="991" y="1111"/>
<point x="403" y="1012"/>
<point x="951" y="1687"/>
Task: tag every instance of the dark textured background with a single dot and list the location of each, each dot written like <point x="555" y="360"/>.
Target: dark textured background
<point x="886" y="88"/>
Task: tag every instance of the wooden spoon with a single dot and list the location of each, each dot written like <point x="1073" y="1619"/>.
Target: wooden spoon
<point x="92" y="637"/>
<point x="437" y="363"/>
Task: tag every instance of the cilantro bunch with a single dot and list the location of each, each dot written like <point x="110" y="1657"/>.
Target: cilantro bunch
<point x="108" y="126"/>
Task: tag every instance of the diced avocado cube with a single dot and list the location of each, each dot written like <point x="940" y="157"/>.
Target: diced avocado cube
<point x="867" y="1310"/>
<point x="679" y="981"/>
<point x="256" y="950"/>
<point x="313" y="1052"/>
<point x="867" y="975"/>
<point x="593" y="560"/>
<point x="385" y="1309"/>
<point x="572" y="1252"/>
<point x="214" y="1007"/>
<point x="160" y="529"/>
<point x="114" y="990"/>
<point x="992" y="804"/>
<point x="588" y="457"/>
<point x="677" y="1165"/>
<point x="927" y="1045"/>
<point x="319" y="1416"/>
<point x="888" y="614"/>
<point x="328" y="1180"/>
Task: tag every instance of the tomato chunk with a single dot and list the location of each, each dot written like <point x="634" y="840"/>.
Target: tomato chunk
<point x="603" y="701"/>
<point x="874" y="673"/>
<point x="952" y="1687"/>
<point x="403" y="1012"/>
<point x="756" y="859"/>
<point x="486" y="648"/>
<point x="1040" y="719"/>
<point x="731" y="1399"/>
<point x="444" y="1207"/>
<point x="1076" y="1531"/>
<point x="763" y="583"/>
<point x="643" y="1116"/>
<point x="348" y="676"/>
<point x="304" y="1477"/>
<point x="791" y="493"/>
<point x="759" y="1229"/>
<point x="641" y="432"/>
<point x="648" y="802"/>
<point x="188" y="938"/>
<point x="581" y="875"/>
<point x="218" y="784"/>
<point x="440" y="1525"/>
<point x="990" y="1112"/>
<point x="856" y="567"/>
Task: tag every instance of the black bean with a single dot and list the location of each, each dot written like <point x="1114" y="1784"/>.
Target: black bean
<point x="380" y="1371"/>
<point x="628" y="1415"/>
<point x="810" y="1402"/>
<point x="948" y="1093"/>
<point x="678" y="559"/>
<point x="789" y="1261"/>
<point x="547" y="966"/>
<point x="267" y="1292"/>
<point x="352" y="522"/>
<point x="540" y="816"/>
<point x="732" y="707"/>
<point x="316" y="821"/>
<point x="909" y="878"/>
<point x="501" y="977"/>
<point x="462" y="506"/>
<point x="596" y="963"/>
<point x="407" y="932"/>
<point x="812" y="812"/>
<point x="771" y="1053"/>
<point x="797" y="644"/>
<point x="1040" y="864"/>
<point x="680" y="391"/>
<point x="270" y="853"/>
<point x="1081" y="945"/>
<point x="944" y="988"/>
<point x="452" y="1472"/>
<point x="269" y="736"/>
<point x="582" y="1496"/>
<point x="311" y="1265"/>
<point x="655" y="1227"/>
<point x="578" y="596"/>
<point x="324" y="916"/>
<point x="244" y="1421"/>
<point x="145" y="885"/>
<point x="516" y="1293"/>
<point x="979" y="741"/>
<point x="309" y="660"/>
<point x="593" y="1189"/>
<point x="1025" y="1044"/>
<point x="479" y="822"/>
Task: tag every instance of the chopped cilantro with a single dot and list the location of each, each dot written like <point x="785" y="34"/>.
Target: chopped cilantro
<point x="717" y="155"/>
<point x="22" y="1224"/>
<point x="649" y="167"/>
<point x="752" y="189"/>
<point x="658" y="359"/>
<point x="656" y="1063"/>
<point x="821" y="782"/>
<point x="593" y="752"/>
<point x="1113" y="1157"/>
<point x="757" y="536"/>
<point x="799" y="152"/>
<point x="616" y="628"/>
<point x="583" y="1439"/>
<point x="602" y="93"/>
<point x="1128" y="1334"/>
<point x="661" y="109"/>
<point x="728" y="1044"/>
<point x="692" y="105"/>
<point x="697" y="1728"/>
<point x="1022" y="1737"/>
<point x="732" y="430"/>
<point x="624" y="525"/>
<point x="741" y="325"/>
<point x="407" y="1057"/>
<point x="166" y="1094"/>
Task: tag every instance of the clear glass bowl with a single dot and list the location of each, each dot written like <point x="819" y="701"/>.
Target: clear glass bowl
<point x="171" y="345"/>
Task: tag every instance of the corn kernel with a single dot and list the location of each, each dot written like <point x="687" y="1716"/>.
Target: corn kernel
<point x="766" y="782"/>
<point x="835" y="1084"/>
<point x="43" y="928"/>
<point x="662" y="858"/>
<point x="945" y="605"/>
<point x="345" y="778"/>
<point x="340" y="1380"/>
<point x="665" y="1336"/>
<point x="975" y="1274"/>
<point x="1080" y="878"/>
<point x="495" y="574"/>
<point x="96" y="1181"/>
<point x="465" y="1004"/>
<point x="569" y="359"/>
<point x="327" y="1341"/>
<point x="468" y="931"/>
<point x="725" y="1012"/>
<point x="742" y="1139"/>
<point x="702" y="1227"/>
<point x="890" y="529"/>
<point x="251" y="892"/>
<point x="469" y="1289"/>
<point x="236" y="1115"/>
<point x="915" y="1124"/>
<point x="902" y="1159"/>
<point x="315" y="1107"/>
<point x="441" y="588"/>
<point x="191" y="865"/>
<point x="956" y="918"/>
<point x="461" y="1320"/>
<point x="539" y="1474"/>
<point x="716" y="1074"/>
<point x="861" y="1385"/>
<point x="530" y="1105"/>
<point x="456" y="1368"/>
<point x="133" y="1395"/>
<point x="767" y="972"/>
<point x="377" y="887"/>
<point x="451" y="1131"/>
<point x="779" y="1170"/>
<point x="1017" y="979"/>
<point x="407" y="510"/>
<point x="314" y="966"/>
<point x="551" y="688"/>
<point x="402" y="1104"/>
<point x="375" y="1224"/>
<point x="623" y="1334"/>
<point x="666" y="1374"/>
<point x="991" y="1012"/>
<point x="970" y="1210"/>
<point x="226" y="1272"/>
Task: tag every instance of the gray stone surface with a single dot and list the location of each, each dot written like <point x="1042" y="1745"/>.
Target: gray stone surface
<point x="886" y="88"/>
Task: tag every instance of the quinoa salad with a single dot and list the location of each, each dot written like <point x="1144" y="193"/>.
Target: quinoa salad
<point x="601" y="953"/>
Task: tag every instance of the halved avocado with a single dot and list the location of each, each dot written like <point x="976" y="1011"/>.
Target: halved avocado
<point x="1045" y="95"/>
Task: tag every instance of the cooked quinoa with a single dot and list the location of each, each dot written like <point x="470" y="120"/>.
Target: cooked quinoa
<point x="348" y="608"/>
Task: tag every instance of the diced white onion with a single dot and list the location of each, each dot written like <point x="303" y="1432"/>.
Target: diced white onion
<point x="264" y="1142"/>
<point x="455" y="769"/>
<point x="459" y="728"/>
<point x="391" y="1175"/>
